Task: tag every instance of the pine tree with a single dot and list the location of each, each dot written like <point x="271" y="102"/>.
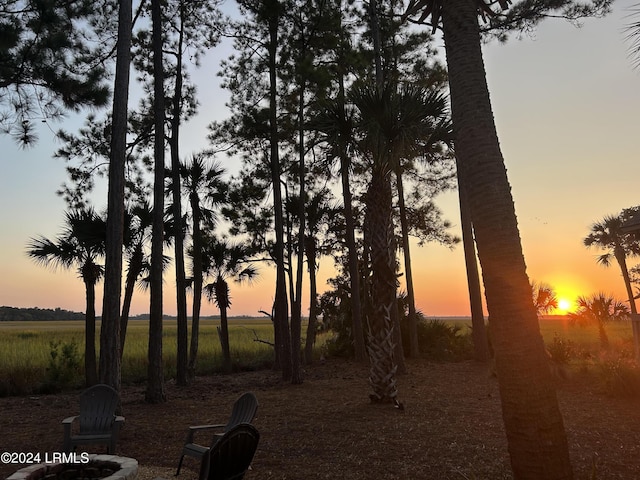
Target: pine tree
<point x="47" y="64"/>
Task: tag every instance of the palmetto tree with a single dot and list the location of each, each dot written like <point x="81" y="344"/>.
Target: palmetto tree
<point x="205" y="187"/>
<point x="537" y="441"/>
<point x="386" y="129"/>
<point x="599" y="309"/>
<point x="544" y="298"/>
<point x="425" y="124"/>
<point x="138" y="222"/>
<point x="607" y="234"/>
<point x="80" y="245"/>
<point x="223" y="260"/>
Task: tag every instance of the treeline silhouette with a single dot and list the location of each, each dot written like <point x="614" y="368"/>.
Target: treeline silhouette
<point x="8" y="314"/>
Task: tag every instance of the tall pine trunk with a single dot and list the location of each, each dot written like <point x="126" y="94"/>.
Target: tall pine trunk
<point x="350" y="228"/>
<point x="478" y="330"/>
<point x="296" y="311"/>
<point x="182" y="377"/>
<point x="281" y="303"/>
<point x="413" y="316"/>
<point x="155" y="376"/>
<point x="533" y="423"/>
<point x="110" y="328"/>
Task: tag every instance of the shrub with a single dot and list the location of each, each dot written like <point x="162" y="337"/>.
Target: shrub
<point x="620" y="375"/>
<point x="562" y="350"/>
<point x="64" y="366"/>
<point x="441" y="341"/>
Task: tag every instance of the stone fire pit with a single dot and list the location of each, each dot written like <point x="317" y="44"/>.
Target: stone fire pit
<point x="99" y="467"/>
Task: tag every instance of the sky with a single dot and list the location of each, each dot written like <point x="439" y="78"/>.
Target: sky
<point x="566" y="103"/>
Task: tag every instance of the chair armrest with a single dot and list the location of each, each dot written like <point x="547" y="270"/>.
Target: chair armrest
<point x="118" y="422"/>
<point x="198" y="428"/>
<point x="66" y="423"/>
<point x="69" y="420"/>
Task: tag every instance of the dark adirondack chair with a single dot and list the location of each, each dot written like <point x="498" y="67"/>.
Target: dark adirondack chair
<point x="97" y="423"/>
<point x="244" y="411"/>
<point x="231" y="456"/>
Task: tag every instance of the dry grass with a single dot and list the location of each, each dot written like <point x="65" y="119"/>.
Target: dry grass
<point x="451" y="427"/>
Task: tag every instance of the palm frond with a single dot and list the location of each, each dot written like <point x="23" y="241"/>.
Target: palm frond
<point x="633" y="35"/>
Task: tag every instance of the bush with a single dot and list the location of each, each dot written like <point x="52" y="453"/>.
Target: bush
<point x="562" y="350"/>
<point x="64" y="368"/>
<point x="441" y="341"/>
<point x="340" y="345"/>
<point x="620" y="375"/>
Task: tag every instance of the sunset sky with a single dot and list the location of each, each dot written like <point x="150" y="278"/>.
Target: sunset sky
<point x="566" y="105"/>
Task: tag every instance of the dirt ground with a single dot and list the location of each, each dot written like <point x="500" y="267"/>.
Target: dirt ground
<point x="451" y="427"/>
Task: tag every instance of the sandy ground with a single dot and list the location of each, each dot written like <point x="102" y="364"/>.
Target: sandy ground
<point x="451" y="427"/>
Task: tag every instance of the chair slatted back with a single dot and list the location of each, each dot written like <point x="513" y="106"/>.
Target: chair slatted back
<point x="231" y="456"/>
<point x="244" y="410"/>
<point x="98" y="406"/>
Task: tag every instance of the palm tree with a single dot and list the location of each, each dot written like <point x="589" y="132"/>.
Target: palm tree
<point x="337" y="125"/>
<point x="80" y="245"/>
<point x="535" y="432"/>
<point x="223" y="260"/>
<point x="544" y="298"/>
<point x="425" y="125"/>
<point x="205" y="188"/>
<point x="607" y="234"/>
<point x="599" y="309"/>
<point x="319" y="212"/>
<point x="382" y="138"/>
<point x="138" y="222"/>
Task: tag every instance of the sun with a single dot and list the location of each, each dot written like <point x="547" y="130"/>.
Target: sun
<point x="564" y="305"/>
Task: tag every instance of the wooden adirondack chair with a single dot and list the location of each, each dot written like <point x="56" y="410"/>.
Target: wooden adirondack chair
<point x="244" y="411"/>
<point x="97" y="423"/>
<point x="231" y="456"/>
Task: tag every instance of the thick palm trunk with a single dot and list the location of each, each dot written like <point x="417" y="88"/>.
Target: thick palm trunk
<point x="310" y="248"/>
<point x="222" y="299"/>
<point x="155" y="376"/>
<point x="602" y="335"/>
<point x="135" y="267"/>
<point x="90" y="364"/>
<point x="535" y="431"/>
<point x="197" y="284"/>
<point x="381" y="337"/>
<point x="110" y="329"/>
<point x="622" y="262"/>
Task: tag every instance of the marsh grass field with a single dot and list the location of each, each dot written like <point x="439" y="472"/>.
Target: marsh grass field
<point x="39" y="356"/>
<point x="451" y="427"/>
<point x="30" y="350"/>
